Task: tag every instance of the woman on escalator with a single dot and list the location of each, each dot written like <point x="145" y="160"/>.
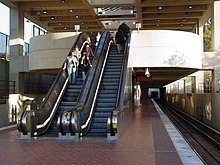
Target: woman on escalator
<point x="71" y="64"/>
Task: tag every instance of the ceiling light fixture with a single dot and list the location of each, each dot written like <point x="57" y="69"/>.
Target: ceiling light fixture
<point x="158" y="20"/>
<point x="77" y="16"/>
<point x="52" y="17"/>
<point x="65" y="28"/>
<point x="62" y="1"/>
<point x="184" y="19"/>
<point x="59" y="23"/>
<point x="160" y="7"/>
<point x="71" y="10"/>
<point x="45" y="11"/>
<point x="190" y="6"/>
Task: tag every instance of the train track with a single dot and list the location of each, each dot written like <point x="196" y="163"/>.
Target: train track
<point x="202" y="138"/>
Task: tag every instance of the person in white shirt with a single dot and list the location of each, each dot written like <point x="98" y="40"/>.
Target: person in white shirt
<point x="71" y="64"/>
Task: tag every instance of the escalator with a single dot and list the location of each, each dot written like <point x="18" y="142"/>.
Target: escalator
<point x="106" y="98"/>
<point x="108" y="92"/>
<point x="63" y="98"/>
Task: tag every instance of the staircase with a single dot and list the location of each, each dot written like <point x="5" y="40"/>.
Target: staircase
<point x="107" y="96"/>
<point x="67" y="103"/>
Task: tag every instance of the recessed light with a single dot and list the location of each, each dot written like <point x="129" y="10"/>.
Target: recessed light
<point x="45" y="11"/>
<point x="71" y="10"/>
<point x="158" y="25"/>
<point x="160" y="7"/>
<point x="181" y="24"/>
<point x="59" y="23"/>
<point x="52" y="17"/>
<point x="65" y="28"/>
<point x="190" y="6"/>
<point x="76" y="16"/>
<point x="82" y="22"/>
<point x="62" y="1"/>
<point x="158" y="20"/>
<point x="184" y="19"/>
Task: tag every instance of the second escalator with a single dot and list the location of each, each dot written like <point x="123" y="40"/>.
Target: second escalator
<point x="107" y="95"/>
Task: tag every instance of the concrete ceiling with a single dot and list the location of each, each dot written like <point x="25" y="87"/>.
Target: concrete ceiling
<point x="102" y="15"/>
<point x="161" y="76"/>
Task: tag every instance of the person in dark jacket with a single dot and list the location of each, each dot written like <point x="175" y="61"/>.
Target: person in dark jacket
<point x="120" y="40"/>
<point x="125" y="28"/>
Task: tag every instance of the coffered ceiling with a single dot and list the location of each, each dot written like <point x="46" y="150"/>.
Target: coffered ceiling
<point x="102" y="15"/>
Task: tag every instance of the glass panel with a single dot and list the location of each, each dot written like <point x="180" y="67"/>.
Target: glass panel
<point x="3" y="43"/>
<point x="36" y="31"/>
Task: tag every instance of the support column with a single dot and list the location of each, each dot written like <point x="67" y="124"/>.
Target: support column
<point x="16" y="43"/>
<point x="215" y="18"/>
<point x="16" y="32"/>
<point x="201" y="37"/>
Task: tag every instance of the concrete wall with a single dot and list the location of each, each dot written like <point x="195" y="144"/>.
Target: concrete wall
<point x="4" y="114"/>
<point x="198" y="106"/>
<point x="211" y="60"/>
<point x="49" y="51"/>
<point x="165" y="48"/>
<point x="206" y="106"/>
<point x="4" y="70"/>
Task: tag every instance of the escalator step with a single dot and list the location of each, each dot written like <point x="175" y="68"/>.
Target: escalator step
<point x="107" y="96"/>
<point x="104" y="109"/>
<point x="67" y="103"/>
<point x="100" y="120"/>
<point x="98" y="126"/>
<point x="106" y="91"/>
<point x="115" y="87"/>
<point x="104" y="100"/>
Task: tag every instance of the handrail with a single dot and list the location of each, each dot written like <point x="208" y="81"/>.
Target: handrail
<point x="41" y="119"/>
<point x="80" y="116"/>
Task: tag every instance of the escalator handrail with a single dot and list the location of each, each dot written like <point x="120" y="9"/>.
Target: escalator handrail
<point x="82" y="116"/>
<point x="41" y="115"/>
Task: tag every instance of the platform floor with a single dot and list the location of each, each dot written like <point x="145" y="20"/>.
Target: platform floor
<point x="144" y="142"/>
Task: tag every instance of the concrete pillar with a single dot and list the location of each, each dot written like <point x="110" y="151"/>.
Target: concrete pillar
<point x="201" y="37"/>
<point x="16" y="43"/>
<point x="215" y="18"/>
<point x="16" y="32"/>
